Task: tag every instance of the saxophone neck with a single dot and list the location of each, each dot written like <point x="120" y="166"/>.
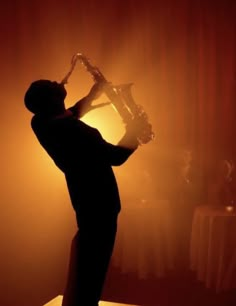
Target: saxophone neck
<point x="98" y="77"/>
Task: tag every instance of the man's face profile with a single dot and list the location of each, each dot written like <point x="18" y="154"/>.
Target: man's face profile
<point x="44" y="96"/>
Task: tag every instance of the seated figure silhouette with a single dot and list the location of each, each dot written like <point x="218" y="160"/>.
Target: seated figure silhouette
<point x="86" y="159"/>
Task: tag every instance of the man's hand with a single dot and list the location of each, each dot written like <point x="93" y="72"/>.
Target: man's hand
<point x="85" y="105"/>
<point x="95" y="92"/>
<point x="130" y="139"/>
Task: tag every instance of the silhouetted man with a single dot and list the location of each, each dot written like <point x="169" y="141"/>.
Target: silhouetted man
<point x="86" y="160"/>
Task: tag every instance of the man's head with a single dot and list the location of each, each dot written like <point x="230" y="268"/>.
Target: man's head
<point x="45" y="97"/>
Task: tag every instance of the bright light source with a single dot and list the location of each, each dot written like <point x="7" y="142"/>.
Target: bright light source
<point x="107" y="121"/>
<point x="58" y="300"/>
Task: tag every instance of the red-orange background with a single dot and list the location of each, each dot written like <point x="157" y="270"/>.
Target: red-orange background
<point x="180" y="55"/>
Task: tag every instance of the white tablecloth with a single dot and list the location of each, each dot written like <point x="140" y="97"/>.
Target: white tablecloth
<point x="213" y="247"/>
<point x="145" y="240"/>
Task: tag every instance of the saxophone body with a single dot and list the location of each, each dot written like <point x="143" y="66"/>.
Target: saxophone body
<point x="121" y="99"/>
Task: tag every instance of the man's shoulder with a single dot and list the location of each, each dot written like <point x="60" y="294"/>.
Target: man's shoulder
<point x="65" y="124"/>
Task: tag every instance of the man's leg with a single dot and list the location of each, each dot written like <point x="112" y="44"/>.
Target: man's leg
<point x="69" y="297"/>
<point x="91" y="251"/>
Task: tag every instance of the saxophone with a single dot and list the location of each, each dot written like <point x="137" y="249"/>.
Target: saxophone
<point x="120" y="97"/>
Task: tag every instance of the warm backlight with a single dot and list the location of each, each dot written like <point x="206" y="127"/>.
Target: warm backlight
<point x="58" y="300"/>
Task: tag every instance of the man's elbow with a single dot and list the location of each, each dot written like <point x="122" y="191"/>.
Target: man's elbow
<point x="122" y="159"/>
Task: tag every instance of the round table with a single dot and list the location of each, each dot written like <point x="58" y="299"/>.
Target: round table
<point x="213" y="247"/>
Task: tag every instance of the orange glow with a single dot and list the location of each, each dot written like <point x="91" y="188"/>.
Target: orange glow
<point x="181" y="59"/>
<point x="58" y="300"/>
<point x="107" y="121"/>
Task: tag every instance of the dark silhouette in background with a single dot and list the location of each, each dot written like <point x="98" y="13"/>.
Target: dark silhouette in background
<point x="221" y="184"/>
<point x="183" y="197"/>
<point x="86" y="160"/>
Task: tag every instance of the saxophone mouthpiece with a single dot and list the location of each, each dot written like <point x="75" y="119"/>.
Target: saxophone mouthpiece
<point x="75" y="57"/>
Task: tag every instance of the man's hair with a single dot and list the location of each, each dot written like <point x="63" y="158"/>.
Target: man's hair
<point x="37" y="97"/>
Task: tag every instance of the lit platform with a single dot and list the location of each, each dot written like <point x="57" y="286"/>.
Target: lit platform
<point x="58" y="300"/>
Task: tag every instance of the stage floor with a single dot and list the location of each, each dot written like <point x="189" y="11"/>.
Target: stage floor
<point x="57" y="302"/>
